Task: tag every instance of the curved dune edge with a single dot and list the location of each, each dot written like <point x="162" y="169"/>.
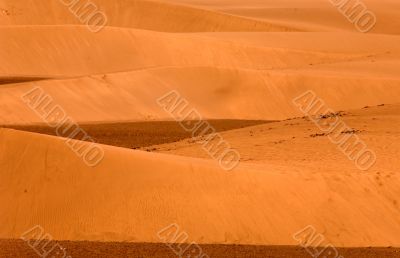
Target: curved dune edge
<point x="67" y="51"/>
<point x="216" y="93"/>
<point x="189" y="16"/>
<point x="308" y="15"/>
<point x="131" y="195"/>
<point x="140" y="14"/>
<point x="300" y="143"/>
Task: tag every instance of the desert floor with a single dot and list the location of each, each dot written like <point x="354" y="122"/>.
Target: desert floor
<point x="239" y="67"/>
<point x="143" y="250"/>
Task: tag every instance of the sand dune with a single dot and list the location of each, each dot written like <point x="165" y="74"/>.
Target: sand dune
<point x="307" y="15"/>
<point x="140" y="14"/>
<point x="218" y="95"/>
<point x="270" y="69"/>
<point x="230" y="59"/>
<point x="298" y="142"/>
<point x="117" y="75"/>
<point x="131" y="195"/>
<point x="44" y="51"/>
<point x="326" y="42"/>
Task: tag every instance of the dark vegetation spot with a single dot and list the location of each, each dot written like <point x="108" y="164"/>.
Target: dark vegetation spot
<point x="350" y="131"/>
<point x="330" y="115"/>
<point x="317" y="135"/>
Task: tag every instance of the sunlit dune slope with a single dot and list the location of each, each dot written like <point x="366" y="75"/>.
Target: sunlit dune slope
<point x="131" y="195"/>
<point x="140" y="14"/>
<point x="326" y="42"/>
<point x="300" y="143"/>
<point x="55" y="51"/>
<point x="215" y="93"/>
<point x="73" y="50"/>
<point x="308" y="15"/>
<point x="118" y="74"/>
<point x="204" y="16"/>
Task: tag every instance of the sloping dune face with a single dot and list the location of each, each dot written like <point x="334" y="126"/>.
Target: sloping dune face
<point x="45" y="51"/>
<point x="140" y="14"/>
<point x="215" y="93"/>
<point x="218" y="73"/>
<point x="201" y="16"/>
<point x="308" y="15"/>
<point x="299" y="141"/>
<point x="236" y="68"/>
<point x="132" y="195"/>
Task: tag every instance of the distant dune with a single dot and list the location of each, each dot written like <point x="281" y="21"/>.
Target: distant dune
<point x="139" y="14"/>
<point x="215" y="92"/>
<point x="43" y="50"/>
<point x="307" y="15"/>
<point x="215" y="73"/>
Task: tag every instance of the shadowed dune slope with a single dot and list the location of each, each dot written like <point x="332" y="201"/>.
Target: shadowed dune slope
<point x="135" y="135"/>
<point x="140" y="14"/>
<point x="131" y="195"/>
